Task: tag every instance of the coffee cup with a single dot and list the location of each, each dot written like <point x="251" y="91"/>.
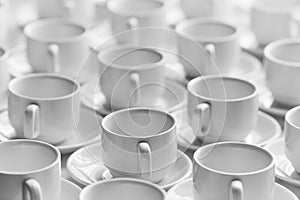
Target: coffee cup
<point x="233" y="171"/>
<point x="139" y="143"/>
<point x="123" y="188"/>
<point x="292" y="136"/>
<point x="61" y="45"/>
<point x="131" y="76"/>
<point x="29" y="170"/>
<point x="222" y="108"/>
<point x="4" y="78"/>
<point x="44" y="107"/>
<point x="137" y="21"/>
<point x="275" y="19"/>
<point x="282" y="70"/>
<point x="207" y="46"/>
<point x="76" y="10"/>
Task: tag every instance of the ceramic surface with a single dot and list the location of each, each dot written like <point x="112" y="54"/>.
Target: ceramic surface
<point x="69" y="191"/>
<point x="4" y="78"/>
<point x="85" y="166"/>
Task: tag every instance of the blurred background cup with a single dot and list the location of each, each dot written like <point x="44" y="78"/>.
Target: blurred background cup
<point x="275" y="19"/>
<point x="4" y="78"/>
<point x="221" y="108"/>
<point x="292" y="137"/>
<point x="61" y="45"/>
<point x="29" y="169"/>
<point x="137" y="21"/>
<point x="44" y="107"/>
<point x="220" y="52"/>
<point x="282" y="62"/>
<point x="80" y="11"/>
<point x="131" y="75"/>
<point x="233" y="171"/>
<point x="123" y="188"/>
<point x="139" y="143"/>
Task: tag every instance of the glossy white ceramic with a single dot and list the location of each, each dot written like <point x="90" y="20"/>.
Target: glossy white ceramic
<point x="4" y="78"/>
<point x="69" y="191"/>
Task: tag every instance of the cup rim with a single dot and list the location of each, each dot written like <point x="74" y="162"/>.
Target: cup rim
<point x="206" y="77"/>
<point x="54" y="21"/>
<point x="85" y="190"/>
<point x="288" y="117"/>
<point x="131" y="48"/>
<point x="41" y="75"/>
<point x="113" y="7"/>
<point x="278" y="44"/>
<point x="109" y="116"/>
<point x="266" y="168"/>
<point x="40" y="143"/>
<point x="181" y="26"/>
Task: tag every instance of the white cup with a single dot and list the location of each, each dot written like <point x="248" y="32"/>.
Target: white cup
<point x="61" y="45"/>
<point x="208" y="46"/>
<point x="275" y="19"/>
<point x="77" y="10"/>
<point x="4" y="77"/>
<point x="282" y="64"/>
<point x="123" y="188"/>
<point x="143" y="15"/>
<point x="222" y="108"/>
<point x="292" y="136"/>
<point x="44" y="107"/>
<point x="140" y="143"/>
<point x="233" y="171"/>
<point x="131" y="76"/>
<point x="29" y="169"/>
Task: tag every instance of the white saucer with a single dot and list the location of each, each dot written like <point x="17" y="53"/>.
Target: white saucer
<point x="267" y="129"/>
<point x="88" y="131"/>
<point x="85" y="166"/>
<point x="184" y="191"/>
<point x="69" y="191"/>
<point x="174" y="97"/>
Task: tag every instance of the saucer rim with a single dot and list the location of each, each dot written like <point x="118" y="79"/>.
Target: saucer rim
<point x="277" y="134"/>
<point x="187" y="174"/>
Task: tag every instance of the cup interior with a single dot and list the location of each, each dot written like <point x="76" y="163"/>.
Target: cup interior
<point x="138" y="122"/>
<point x="293" y="117"/>
<point x="225" y="89"/>
<point x="53" y="30"/>
<point x="132" y="6"/>
<point x="233" y="158"/>
<point x="123" y="189"/>
<point x="130" y="57"/>
<point x="42" y="87"/>
<point x="21" y="156"/>
<point x="287" y="52"/>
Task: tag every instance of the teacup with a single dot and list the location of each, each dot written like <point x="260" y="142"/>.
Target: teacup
<point x="61" y="46"/>
<point x="139" y="143"/>
<point x="4" y="77"/>
<point x="77" y="10"/>
<point x="44" y="106"/>
<point x="275" y="19"/>
<point x="207" y="46"/>
<point x="233" y="171"/>
<point x="292" y="136"/>
<point x="222" y="108"/>
<point x="283" y="70"/>
<point x="131" y="76"/>
<point x="136" y="21"/>
<point x="123" y="188"/>
<point x="29" y="170"/>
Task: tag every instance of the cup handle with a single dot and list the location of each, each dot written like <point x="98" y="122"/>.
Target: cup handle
<point x="133" y="23"/>
<point x="31" y="124"/>
<point x="202" y="111"/>
<point x="69" y="5"/>
<point x="32" y="190"/>
<point x="294" y="25"/>
<point x="54" y="51"/>
<point x="211" y="50"/>
<point x="145" y="159"/>
<point x="135" y="81"/>
<point x="236" y="190"/>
